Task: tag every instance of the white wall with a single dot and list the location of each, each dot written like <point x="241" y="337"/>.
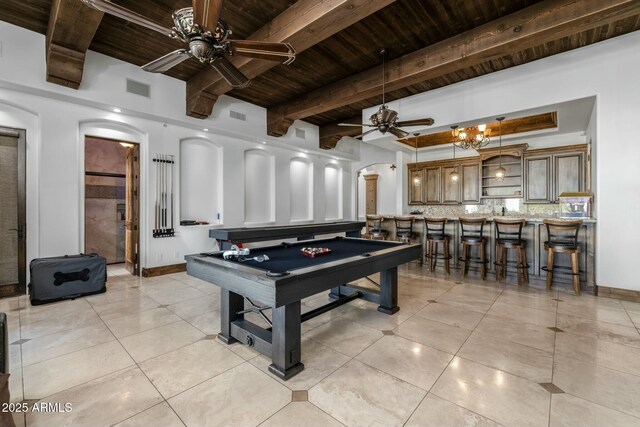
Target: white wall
<point x="301" y="181"/>
<point x="607" y="70"/>
<point x="386" y="191"/>
<point x="259" y="187"/>
<point x="200" y="180"/>
<point x="57" y="118"/>
<point x="333" y="190"/>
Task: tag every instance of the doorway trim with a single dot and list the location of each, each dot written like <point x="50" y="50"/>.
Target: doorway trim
<point x="21" y="287"/>
<point x="120" y="132"/>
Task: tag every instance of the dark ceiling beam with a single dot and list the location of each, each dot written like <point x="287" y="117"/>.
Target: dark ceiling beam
<point x="538" y="24"/>
<point x="72" y="26"/>
<point x="303" y="25"/>
<point x="331" y="133"/>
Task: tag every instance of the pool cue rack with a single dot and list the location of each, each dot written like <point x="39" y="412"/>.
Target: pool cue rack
<point x="163" y="225"/>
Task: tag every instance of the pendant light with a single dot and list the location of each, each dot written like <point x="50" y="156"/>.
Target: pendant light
<point x="416" y="180"/>
<point x="500" y="172"/>
<point x="455" y="176"/>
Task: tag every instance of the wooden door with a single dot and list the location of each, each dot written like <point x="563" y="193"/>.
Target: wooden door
<point x="416" y="187"/>
<point x="432" y="184"/>
<point x="371" y="194"/>
<point x="569" y="173"/>
<point x="537" y="180"/>
<point x="132" y="217"/>
<point x="470" y="183"/>
<point x="13" y="246"/>
<point x="450" y="188"/>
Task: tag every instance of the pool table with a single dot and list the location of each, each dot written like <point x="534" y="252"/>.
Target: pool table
<point x="288" y="276"/>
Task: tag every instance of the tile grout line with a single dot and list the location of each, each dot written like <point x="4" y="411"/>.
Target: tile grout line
<point x="449" y="364"/>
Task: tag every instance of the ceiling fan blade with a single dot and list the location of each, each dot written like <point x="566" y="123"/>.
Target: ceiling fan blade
<point x="417" y="122"/>
<point x="167" y="61"/>
<point x="398" y="132"/>
<point x="206" y="13"/>
<point x="229" y="72"/>
<point x="366" y="133"/>
<point x="356" y="124"/>
<point x="269" y="51"/>
<point x="128" y="15"/>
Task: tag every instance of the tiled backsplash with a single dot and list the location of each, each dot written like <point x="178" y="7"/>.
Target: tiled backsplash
<point x="486" y="207"/>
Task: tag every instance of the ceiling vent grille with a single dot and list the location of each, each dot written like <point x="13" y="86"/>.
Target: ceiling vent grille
<point x="237" y="116"/>
<point x="138" y="88"/>
<point x="300" y="133"/>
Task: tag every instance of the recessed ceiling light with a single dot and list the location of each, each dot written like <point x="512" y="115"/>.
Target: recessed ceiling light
<point x="117" y="110"/>
<point x="205" y="129"/>
<point x="264" y="142"/>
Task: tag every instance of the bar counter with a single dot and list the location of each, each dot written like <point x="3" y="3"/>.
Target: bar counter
<point x="534" y="233"/>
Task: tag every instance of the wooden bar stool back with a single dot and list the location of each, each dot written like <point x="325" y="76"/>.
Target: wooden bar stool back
<point x="472" y="235"/>
<point x="434" y="229"/>
<point x="509" y="236"/>
<point x="404" y="229"/>
<point x="562" y="237"/>
<point x="374" y="228"/>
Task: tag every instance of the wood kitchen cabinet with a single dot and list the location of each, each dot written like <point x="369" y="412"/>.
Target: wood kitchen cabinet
<point x="432" y="182"/>
<point x="550" y="172"/>
<point x="470" y="178"/>
<point x="450" y="189"/>
<point x="416" y="188"/>
<point x="537" y="182"/>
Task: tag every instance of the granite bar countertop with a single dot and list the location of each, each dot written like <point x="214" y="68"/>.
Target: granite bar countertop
<point x="529" y="218"/>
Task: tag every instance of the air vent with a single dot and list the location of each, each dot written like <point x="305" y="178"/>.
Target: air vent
<point x="237" y="116"/>
<point x="300" y="133"/>
<point x="138" y="88"/>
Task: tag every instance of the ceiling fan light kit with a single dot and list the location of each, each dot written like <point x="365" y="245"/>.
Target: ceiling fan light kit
<point x="207" y="35"/>
<point x="385" y="119"/>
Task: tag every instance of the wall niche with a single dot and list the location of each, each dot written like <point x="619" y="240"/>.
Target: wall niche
<point x="200" y="180"/>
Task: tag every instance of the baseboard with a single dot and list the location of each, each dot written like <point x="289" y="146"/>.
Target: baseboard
<point x="7" y="291"/>
<point x="165" y="269"/>
<point x="616" y="293"/>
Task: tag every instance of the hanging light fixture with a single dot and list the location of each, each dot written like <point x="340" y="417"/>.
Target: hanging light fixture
<point x="455" y="176"/>
<point x="500" y="172"/>
<point x="416" y="179"/>
<point x="473" y="137"/>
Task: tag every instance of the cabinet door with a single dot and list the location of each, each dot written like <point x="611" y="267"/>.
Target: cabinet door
<point x="471" y="183"/>
<point x="569" y="173"/>
<point x="416" y="187"/>
<point x="537" y="180"/>
<point x="450" y="188"/>
<point x="432" y="178"/>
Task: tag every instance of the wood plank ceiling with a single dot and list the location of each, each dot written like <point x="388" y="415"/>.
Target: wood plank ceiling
<point x="402" y="27"/>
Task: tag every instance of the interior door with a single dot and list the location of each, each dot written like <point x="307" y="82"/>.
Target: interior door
<point x="13" y="248"/>
<point x="132" y="211"/>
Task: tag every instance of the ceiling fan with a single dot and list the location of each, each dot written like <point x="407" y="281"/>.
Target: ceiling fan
<point x="386" y="120"/>
<point x="206" y="34"/>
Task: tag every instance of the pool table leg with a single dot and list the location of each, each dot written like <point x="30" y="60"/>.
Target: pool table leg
<point x="231" y="303"/>
<point x="389" y="291"/>
<point x="285" y="341"/>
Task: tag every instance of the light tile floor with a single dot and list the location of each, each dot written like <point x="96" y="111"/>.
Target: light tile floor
<point x="458" y="353"/>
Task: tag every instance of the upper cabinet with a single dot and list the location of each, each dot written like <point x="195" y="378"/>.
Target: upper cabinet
<point x="431" y="183"/>
<point x="509" y="158"/>
<point x="551" y="172"/>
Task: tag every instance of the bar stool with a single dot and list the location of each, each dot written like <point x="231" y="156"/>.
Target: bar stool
<point x="472" y="235"/>
<point x="509" y="236"/>
<point x="434" y="229"/>
<point x="404" y="229"/>
<point x="562" y="238"/>
<point x="374" y="230"/>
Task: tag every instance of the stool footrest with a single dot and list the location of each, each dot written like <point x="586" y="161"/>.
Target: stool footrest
<point x="511" y="263"/>
<point x="562" y="270"/>
<point x="473" y="259"/>
<point x="438" y="256"/>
